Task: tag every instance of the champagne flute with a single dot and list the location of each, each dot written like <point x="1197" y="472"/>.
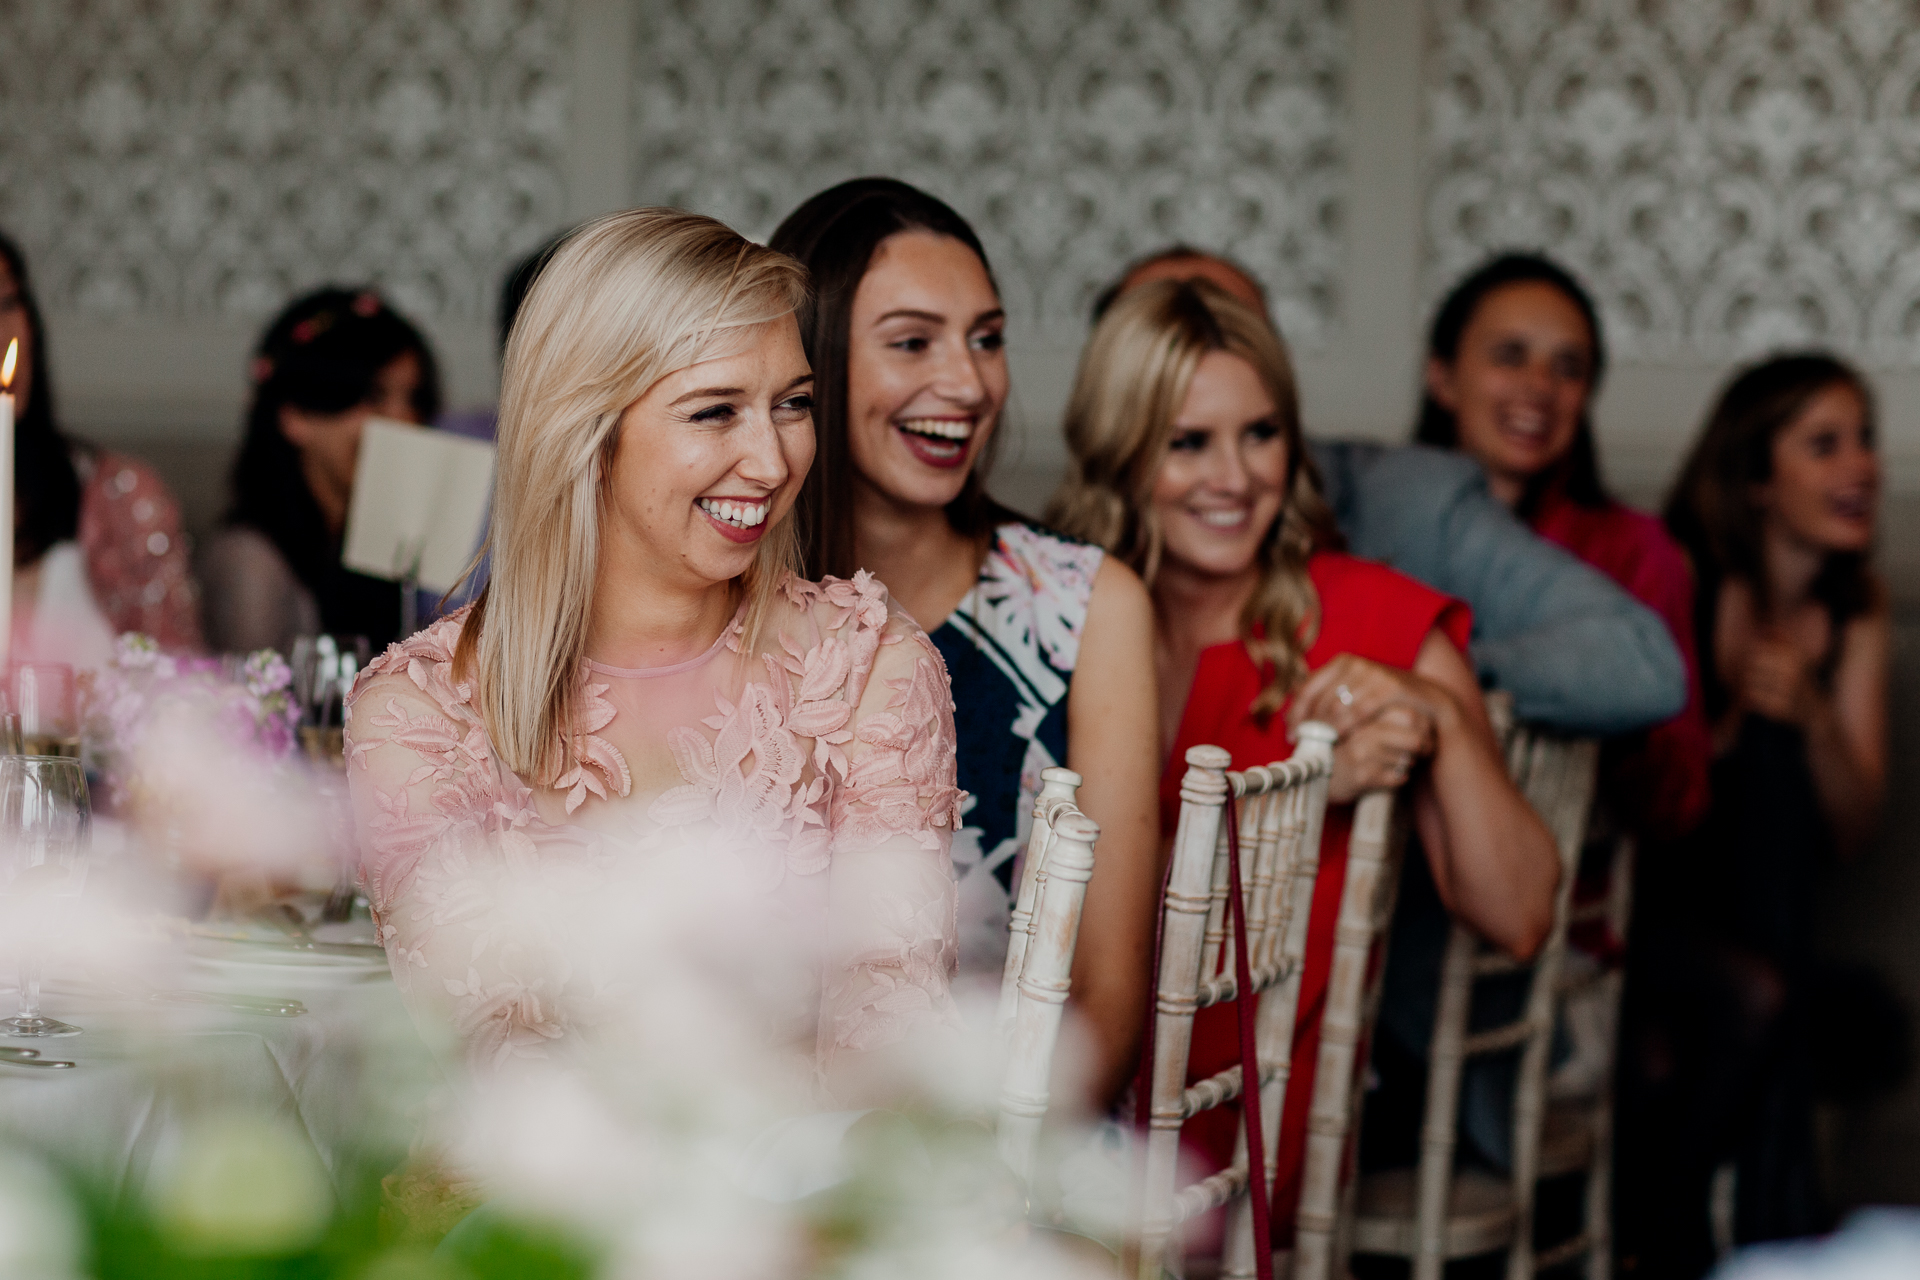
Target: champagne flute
<point x="45" y="823"/>
<point x="43" y="694"/>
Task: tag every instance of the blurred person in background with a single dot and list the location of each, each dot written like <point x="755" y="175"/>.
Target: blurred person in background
<point x="1514" y="357"/>
<point x="97" y="542"/>
<point x="1048" y="640"/>
<point x="1574" y="649"/>
<point x="1187" y="463"/>
<point x="330" y="361"/>
<point x="1776" y="507"/>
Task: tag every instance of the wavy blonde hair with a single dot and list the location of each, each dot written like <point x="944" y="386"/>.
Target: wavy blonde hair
<point x="626" y="300"/>
<point x="1132" y="380"/>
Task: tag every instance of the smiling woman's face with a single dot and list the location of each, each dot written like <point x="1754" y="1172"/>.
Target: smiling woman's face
<point x="1825" y="489"/>
<point x="926" y="375"/>
<point x="1519" y="382"/>
<point x="710" y="459"/>
<point x="1223" y="481"/>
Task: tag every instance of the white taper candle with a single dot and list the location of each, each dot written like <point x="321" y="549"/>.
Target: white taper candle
<point x="6" y="501"/>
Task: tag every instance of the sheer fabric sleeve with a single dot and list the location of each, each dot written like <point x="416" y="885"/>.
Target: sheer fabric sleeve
<point x="891" y="928"/>
<point x="449" y="865"/>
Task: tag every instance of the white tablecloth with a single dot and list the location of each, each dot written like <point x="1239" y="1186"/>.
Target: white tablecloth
<point x="349" y="1071"/>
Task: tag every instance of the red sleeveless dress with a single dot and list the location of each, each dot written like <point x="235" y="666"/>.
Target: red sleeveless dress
<point x="1372" y="612"/>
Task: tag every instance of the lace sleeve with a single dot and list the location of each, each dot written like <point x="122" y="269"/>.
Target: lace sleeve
<point x="892" y="934"/>
<point x="445" y="853"/>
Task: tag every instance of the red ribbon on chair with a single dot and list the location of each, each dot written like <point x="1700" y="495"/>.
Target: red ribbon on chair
<point x="1260" y="1195"/>
<point x="1243" y="1003"/>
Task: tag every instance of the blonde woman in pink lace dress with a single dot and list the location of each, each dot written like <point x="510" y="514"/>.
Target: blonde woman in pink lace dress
<point x="644" y="676"/>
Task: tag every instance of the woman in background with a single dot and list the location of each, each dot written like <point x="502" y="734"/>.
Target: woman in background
<point x="97" y="543"/>
<point x="1188" y="464"/>
<point x="330" y="361"/>
<point x="1514" y="357"/>
<point x="1048" y="641"/>
<point x="1776" y="507"/>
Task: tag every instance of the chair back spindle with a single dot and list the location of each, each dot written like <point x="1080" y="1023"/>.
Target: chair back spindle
<point x="1280" y="812"/>
<point x="1041" y="990"/>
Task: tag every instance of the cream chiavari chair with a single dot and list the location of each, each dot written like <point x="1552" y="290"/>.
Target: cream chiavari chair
<point x="1042" y="933"/>
<point x="1280" y="812"/>
<point x="1323" y="1224"/>
<point x="1433" y="1213"/>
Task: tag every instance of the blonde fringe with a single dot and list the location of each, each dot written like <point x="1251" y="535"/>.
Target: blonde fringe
<point x="1132" y="379"/>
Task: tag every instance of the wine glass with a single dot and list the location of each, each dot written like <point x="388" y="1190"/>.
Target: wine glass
<point x="43" y="695"/>
<point x="45" y="823"/>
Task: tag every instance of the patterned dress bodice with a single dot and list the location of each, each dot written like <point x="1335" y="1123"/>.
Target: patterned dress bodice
<point x="817" y="766"/>
<point x="1010" y="647"/>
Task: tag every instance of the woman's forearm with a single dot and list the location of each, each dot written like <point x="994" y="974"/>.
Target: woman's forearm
<point x="1500" y="864"/>
<point x="1850" y="794"/>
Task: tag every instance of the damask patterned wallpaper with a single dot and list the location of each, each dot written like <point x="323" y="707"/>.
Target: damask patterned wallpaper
<point x="1074" y="135"/>
<point x="1731" y="175"/>
<point x="193" y="158"/>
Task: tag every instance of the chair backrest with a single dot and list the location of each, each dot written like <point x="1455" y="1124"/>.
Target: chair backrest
<point x="1281" y="810"/>
<point x="1044" y="929"/>
<point x="1322" y="1223"/>
<point x="1557" y="775"/>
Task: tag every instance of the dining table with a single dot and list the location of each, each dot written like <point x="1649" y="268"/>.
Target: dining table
<point x="307" y="1035"/>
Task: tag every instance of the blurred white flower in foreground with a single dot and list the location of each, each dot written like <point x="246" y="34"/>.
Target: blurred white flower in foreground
<point x="1874" y="1244"/>
<point x="39" y="1232"/>
<point x="677" y="1123"/>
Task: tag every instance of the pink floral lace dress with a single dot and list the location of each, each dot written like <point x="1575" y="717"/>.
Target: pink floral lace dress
<point x="818" y="767"/>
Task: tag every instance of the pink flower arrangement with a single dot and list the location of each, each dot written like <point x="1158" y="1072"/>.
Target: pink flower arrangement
<point x="250" y="701"/>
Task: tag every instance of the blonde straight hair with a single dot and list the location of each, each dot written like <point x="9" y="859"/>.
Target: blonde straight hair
<point x="1132" y="380"/>
<point x="626" y="300"/>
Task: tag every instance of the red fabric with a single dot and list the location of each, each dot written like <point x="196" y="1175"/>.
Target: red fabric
<point x="1372" y="612"/>
<point x="1658" y="779"/>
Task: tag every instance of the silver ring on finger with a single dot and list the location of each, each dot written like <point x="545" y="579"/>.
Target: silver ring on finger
<point x="1343" y="693"/>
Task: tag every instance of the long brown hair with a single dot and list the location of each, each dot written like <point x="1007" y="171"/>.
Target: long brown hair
<point x="835" y="234"/>
<point x="1712" y="512"/>
<point x="1132" y="380"/>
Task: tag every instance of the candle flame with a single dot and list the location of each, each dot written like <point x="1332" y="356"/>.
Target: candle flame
<point x="6" y="367"/>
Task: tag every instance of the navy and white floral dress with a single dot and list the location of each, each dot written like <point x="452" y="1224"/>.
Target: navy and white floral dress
<point x="1010" y="646"/>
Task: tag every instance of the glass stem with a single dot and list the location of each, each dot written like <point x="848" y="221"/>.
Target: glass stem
<point x="30" y="989"/>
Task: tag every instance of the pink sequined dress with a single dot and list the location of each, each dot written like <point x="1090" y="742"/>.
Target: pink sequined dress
<point x="819" y="765"/>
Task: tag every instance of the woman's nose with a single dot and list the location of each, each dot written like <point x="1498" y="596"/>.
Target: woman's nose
<point x="958" y="378"/>
<point x="1226" y="469"/>
<point x="762" y="461"/>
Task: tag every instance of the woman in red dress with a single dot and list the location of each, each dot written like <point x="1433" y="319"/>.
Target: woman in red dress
<point x="1187" y="463"/>
<point x="1513" y="360"/>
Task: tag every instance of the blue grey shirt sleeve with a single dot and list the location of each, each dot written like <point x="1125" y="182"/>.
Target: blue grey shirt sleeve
<point x="1573" y="648"/>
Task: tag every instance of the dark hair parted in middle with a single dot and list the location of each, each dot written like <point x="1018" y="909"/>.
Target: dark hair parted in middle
<point x="835" y="234"/>
<point x="323" y="354"/>
<point x="1437" y="425"/>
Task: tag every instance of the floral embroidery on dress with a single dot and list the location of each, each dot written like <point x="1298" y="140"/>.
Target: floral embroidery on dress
<point x="807" y="764"/>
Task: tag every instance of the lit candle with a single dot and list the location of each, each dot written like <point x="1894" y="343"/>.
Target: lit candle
<point x="6" y="498"/>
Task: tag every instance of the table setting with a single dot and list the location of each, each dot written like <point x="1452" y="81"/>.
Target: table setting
<point x="162" y="967"/>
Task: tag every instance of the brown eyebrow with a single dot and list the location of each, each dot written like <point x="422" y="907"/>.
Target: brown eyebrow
<point x="909" y="313"/>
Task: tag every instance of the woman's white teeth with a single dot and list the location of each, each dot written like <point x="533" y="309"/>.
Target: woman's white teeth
<point x="744" y="515"/>
<point x="945" y="428"/>
<point x="1222" y="519"/>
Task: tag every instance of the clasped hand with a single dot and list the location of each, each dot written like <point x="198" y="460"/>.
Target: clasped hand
<point x="1388" y="721"/>
<point x="1777" y="680"/>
